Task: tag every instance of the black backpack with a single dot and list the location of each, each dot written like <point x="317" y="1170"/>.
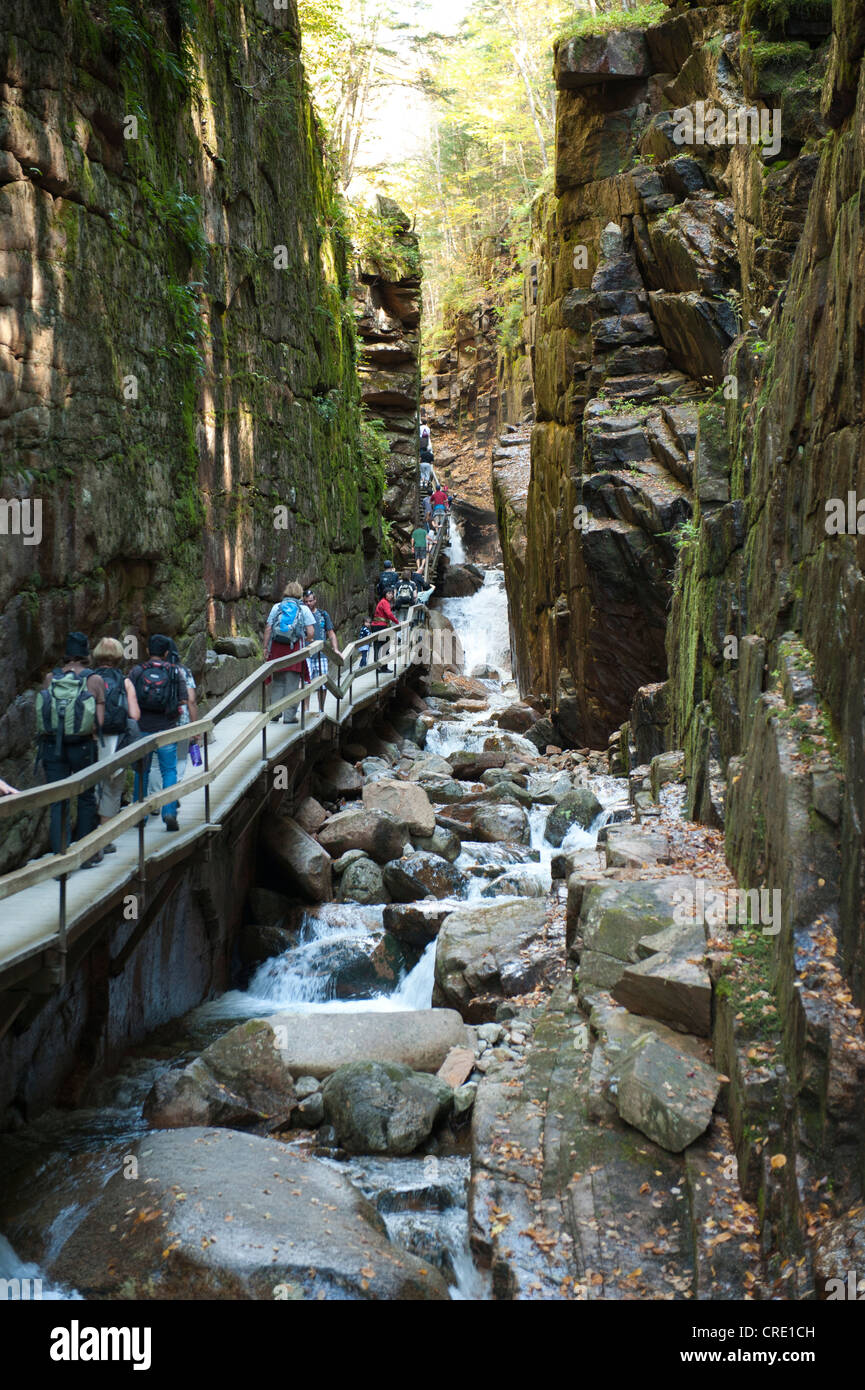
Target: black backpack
<point x="405" y="595"/>
<point x="116" y="702"/>
<point x="157" y="688"/>
<point x="387" y="582"/>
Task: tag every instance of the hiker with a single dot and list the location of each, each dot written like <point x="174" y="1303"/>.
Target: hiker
<point x="439" y="501"/>
<point x="161" y="691"/>
<point x="425" y="440"/>
<point x="427" y="512"/>
<point x="121" y="712"/>
<point x="420" y="582"/>
<point x="324" y="632"/>
<point x="383" y="617"/>
<point x="69" y="713"/>
<point x="188" y="714"/>
<point x="365" y="631"/>
<point x="290" y="626"/>
<point x="419" y="541"/>
<point x="388" y="580"/>
<point x="404" y="595"/>
<point x="6" y="790"/>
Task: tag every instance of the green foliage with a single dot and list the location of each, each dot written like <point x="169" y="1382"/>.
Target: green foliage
<point x="184" y="308"/>
<point x="180" y="213"/>
<point x="610" y="21"/>
<point x="383" y="241"/>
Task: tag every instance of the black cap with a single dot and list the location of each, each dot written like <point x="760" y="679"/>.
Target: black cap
<point x="159" y="645"/>
<point x="77" y="647"/>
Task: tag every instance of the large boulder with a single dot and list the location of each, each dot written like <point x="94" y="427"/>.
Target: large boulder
<point x="337" y="778"/>
<point x="415" y="924"/>
<point x="502" y="824"/>
<point x="422" y="875"/>
<point x="379" y="834"/>
<point x="384" y="1107"/>
<point x="441" y="842"/>
<point x="241" y="1080"/>
<point x="675" y="989"/>
<point x="362" y="882"/>
<point x="310" y="815"/>
<point x="490" y="952"/>
<point x="365" y="973"/>
<point x="578" y="807"/>
<point x="666" y="1094"/>
<point x="213" y="1214"/>
<point x="517" y="718"/>
<point x="405" y="800"/>
<point x="297" y="855"/>
<point x="460" y="581"/>
<point x="614" y="917"/>
<point x="430" y="765"/>
<point x="316" y="1044"/>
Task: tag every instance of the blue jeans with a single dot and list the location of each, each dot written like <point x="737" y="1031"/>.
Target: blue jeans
<point x="167" y="758"/>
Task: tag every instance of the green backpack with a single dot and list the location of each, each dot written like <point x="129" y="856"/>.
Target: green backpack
<point x="66" y="709"/>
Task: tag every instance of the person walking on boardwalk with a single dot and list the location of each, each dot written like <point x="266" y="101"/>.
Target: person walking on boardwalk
<point x="290" y="626"/>
<point x="383" y="617"/>
<point x="70" y="709"/>
<point x="324" y="632"/>
<point x="419" y="541"/>
<point x="161" y="692"/>
<point x="121" y="711"/>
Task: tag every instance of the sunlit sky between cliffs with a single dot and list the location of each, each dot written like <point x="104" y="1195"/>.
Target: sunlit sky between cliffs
<point x="397" y="123"/>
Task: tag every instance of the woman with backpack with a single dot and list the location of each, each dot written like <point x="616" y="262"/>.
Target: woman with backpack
<point x="69" y="713"/>
<point x="289" y="627"/>
<point x="121" y="709"/>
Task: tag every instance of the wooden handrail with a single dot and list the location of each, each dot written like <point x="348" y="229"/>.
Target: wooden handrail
<point x="60" y="865"/>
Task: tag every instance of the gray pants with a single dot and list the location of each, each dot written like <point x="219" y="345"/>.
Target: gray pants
<point x="285" y="683"/>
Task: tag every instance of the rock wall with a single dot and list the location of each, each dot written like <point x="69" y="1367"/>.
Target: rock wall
<point x="388" y="312"/>
<point x="650" y="254"/>
<point x="178" y="388"/>
<point x="478" y="386"/>
<point x="704" y="376"/>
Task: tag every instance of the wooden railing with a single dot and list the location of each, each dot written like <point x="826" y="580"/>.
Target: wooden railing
<point x="71" y="857"/>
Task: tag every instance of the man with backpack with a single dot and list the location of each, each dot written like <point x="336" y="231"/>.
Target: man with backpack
<point x="119" y="724"/>
<point x="290" y="626"/>
<point x="388" y="580"/>
<point x="404" y="595"/>
<point x="69" y="712"/>
<point x="161" y="691"/>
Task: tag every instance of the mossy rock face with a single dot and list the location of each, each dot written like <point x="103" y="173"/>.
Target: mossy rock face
<point x="198" y="439"/>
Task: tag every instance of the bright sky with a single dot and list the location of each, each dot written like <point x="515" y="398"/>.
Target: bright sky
<point x="394" y="129"/>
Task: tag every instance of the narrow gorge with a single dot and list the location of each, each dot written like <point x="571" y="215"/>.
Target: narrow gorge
<point x="531" y="964"/>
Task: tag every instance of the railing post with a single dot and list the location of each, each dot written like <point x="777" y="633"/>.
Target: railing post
<point x="61" y="923"/>
<point x="207" y="784"/>
<point x="264" y="726"/>
<point x="142" y="871"/>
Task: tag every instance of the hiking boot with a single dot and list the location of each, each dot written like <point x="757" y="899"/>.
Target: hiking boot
<point x="109" y="849"/>
<point x="171" y="823"/>
<point x="92" y="861"/>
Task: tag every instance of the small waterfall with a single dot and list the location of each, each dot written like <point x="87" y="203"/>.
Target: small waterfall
<point x="27" y="1282"/>
<point x="481" y="621"/>
<point x="456" y="548"/>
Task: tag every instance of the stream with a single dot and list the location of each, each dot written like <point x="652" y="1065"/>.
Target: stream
<point x="422" y="1199"/>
